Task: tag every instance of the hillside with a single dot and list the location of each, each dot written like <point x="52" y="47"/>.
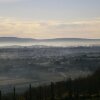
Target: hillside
<point x="87" y="88"/>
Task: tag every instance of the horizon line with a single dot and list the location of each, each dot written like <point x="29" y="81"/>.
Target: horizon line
<point x="45" y="38"/>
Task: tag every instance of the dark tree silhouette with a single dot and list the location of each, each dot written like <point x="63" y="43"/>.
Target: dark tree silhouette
<point x="52" y="91"/>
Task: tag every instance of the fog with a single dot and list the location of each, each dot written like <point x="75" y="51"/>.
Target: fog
<point x="57" y="44"/>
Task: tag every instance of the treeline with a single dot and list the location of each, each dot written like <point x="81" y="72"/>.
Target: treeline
<point x="87" y="88"/>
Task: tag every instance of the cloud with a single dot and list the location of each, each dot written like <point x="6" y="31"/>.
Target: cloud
<point x="49" y="29"/>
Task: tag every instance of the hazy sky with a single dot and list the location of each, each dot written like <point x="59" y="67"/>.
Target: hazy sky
<point x="50" y="18"/>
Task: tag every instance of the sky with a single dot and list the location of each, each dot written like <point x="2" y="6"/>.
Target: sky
<point x="50" y="18"/>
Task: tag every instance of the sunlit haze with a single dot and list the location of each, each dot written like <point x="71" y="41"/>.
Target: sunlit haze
<point x="50" y="18"/>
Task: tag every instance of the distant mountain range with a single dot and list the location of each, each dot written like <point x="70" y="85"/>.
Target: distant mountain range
<point x="15" y="39"/>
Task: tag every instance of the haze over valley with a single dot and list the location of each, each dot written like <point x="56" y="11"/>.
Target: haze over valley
<point x="20" y="66"/>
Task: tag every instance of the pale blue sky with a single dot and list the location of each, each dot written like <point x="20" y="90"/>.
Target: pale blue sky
<point x="50" y="10"/>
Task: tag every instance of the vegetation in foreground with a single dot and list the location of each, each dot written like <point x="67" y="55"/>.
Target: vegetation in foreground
<point x="87" y="88"/>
